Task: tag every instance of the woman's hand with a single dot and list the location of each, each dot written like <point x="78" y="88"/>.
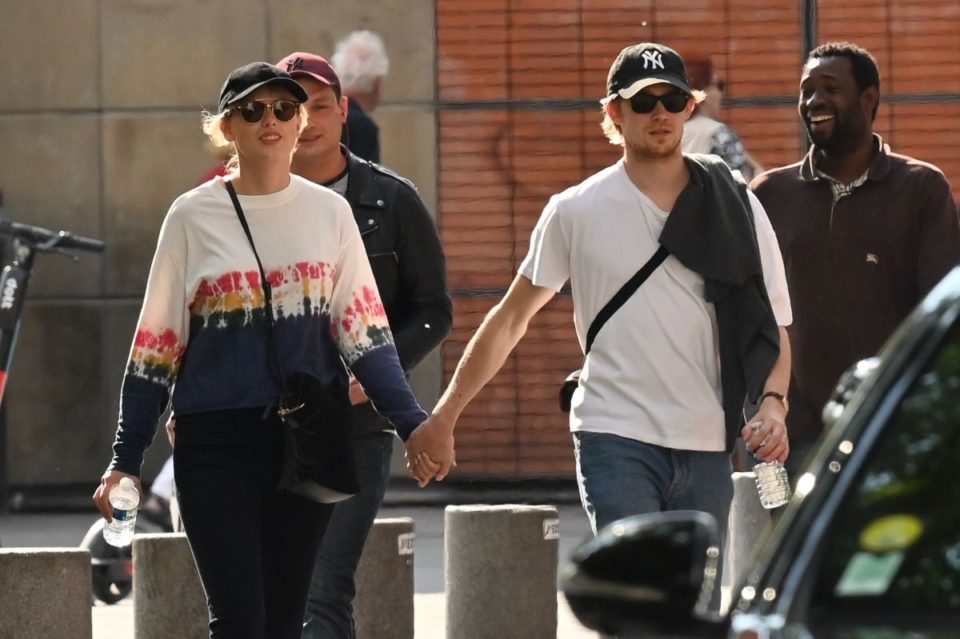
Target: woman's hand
<point x="101" y="497"/>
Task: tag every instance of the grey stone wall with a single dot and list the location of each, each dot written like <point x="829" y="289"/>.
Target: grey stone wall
<point x="100" y="127"/>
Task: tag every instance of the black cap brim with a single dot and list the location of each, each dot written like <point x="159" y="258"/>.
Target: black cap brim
<point x="294" y="87"/>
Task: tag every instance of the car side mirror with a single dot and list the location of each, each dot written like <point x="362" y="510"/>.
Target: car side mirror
<point x="651" y="574"/>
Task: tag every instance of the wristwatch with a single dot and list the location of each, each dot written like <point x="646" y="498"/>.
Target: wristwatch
<point x="779" y="396"/>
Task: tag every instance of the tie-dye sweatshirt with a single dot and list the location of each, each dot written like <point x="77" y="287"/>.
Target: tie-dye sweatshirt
<point x="202" y="329"/>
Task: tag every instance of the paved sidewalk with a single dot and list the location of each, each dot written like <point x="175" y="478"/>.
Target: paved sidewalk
<point x="116" y="622"/>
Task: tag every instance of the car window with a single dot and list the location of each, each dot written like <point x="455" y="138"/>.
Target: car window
<point x="893" y="551"/>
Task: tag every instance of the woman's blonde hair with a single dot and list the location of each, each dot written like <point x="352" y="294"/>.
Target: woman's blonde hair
<point x="213" y="127"/>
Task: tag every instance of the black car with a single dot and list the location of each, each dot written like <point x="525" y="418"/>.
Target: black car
<point x="867" y="548"/>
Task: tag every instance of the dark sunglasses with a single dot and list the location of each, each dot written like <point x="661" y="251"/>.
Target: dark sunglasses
<point x="672" y="102"/>
<point x="252" y="111"/>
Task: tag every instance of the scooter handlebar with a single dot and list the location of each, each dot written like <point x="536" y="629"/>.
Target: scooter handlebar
<point x="39" y="236"/>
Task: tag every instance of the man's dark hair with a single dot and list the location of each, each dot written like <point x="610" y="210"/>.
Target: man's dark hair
<point x="865" y="70"/>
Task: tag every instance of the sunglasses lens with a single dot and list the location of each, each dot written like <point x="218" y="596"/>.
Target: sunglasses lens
<point x="643" y="103"/>
<point x="252" y="111"/>
<point x="284" y="110"/>
<point x="674" y="102"/>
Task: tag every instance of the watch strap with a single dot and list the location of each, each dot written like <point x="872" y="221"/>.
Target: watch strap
<point x="779" y="396"/>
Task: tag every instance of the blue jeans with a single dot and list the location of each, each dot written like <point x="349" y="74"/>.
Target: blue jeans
<point x="329" y="612"/>
<point x="619" y="477"/>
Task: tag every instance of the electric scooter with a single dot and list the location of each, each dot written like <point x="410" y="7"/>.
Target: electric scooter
<point x="24" y="243"/>
<point x="111" y="567"/>
<point x="19" y="245"/>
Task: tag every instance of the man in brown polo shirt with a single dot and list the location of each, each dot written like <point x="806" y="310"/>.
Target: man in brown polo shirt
<point x="865" y="233"/>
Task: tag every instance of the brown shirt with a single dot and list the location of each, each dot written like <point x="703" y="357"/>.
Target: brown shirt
<point x="856" y="265"/>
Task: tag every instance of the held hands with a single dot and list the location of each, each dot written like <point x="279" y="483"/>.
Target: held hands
<point x="766" y="434"/>
<point x="101" y="497"/>
<point x="430" y="450"/>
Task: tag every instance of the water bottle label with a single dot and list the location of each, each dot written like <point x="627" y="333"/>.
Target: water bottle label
<point x="122" y="515"/>
<point x="773" y="486"/>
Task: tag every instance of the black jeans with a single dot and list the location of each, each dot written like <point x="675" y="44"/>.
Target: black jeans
<point x="254" y="546"/>
<point x="330" y="603"/>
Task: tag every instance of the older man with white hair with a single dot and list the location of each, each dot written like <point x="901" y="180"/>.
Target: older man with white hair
<point x="361" y="62"/>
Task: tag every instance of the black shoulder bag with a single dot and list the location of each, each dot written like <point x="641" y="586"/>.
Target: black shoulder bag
<point x="318" y="457"/>
<point x="629" y="288"/>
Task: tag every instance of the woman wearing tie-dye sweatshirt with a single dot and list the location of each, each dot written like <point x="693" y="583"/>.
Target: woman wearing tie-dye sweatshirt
<point x="202" y="337"/>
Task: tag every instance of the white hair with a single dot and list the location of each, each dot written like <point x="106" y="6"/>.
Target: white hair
<point x="359" y="60"/>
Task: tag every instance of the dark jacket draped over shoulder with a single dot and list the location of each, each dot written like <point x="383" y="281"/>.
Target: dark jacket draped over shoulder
<point x="711" y="231"/>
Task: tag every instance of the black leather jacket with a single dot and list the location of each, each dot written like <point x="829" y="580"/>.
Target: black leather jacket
<point x="407" y="259"/>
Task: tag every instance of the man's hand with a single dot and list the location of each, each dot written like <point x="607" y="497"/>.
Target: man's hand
<point x="766" y="434"/>
<point x="357" y="394"/>
<point x="101" y="497"/>
<point x="430" y="450"/>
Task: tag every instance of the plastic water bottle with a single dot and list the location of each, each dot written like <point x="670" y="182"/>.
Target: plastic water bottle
<point x="124" y="500"/>
<point x="773" y="485"/>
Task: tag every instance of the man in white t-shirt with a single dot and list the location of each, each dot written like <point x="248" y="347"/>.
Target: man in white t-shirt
<point x="653" y="419"/>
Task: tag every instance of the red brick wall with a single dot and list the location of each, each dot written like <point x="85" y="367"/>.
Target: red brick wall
<point x="517" y="85"/>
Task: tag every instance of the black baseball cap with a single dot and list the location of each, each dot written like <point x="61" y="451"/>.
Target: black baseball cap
<point x="250" y="77"/>
<point x="642" y="65"/>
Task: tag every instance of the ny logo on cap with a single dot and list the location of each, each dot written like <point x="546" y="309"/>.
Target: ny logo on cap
<point x="652" y="59"/>
<point x="296" y="63"/>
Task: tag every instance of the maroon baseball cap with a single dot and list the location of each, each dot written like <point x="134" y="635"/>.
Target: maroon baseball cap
<point x="301" y="64"/>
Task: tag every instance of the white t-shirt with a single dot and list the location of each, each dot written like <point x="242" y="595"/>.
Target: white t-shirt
<point x="653" y="372"/>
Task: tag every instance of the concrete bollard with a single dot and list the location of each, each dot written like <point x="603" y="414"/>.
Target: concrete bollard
<point x="167" y="595"/>
<point x="747" y="523"/>
<point x="45" y="592"/>
<point x="384" y="604"/>
<point x="500" y="564"/>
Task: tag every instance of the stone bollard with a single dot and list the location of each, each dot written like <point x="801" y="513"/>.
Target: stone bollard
<point x="167" y="595"/>
<point x="500" y="564"/>
<point x="384" y="604"/>
<point x="747" y="523"/>
<point x="45" y="592"/>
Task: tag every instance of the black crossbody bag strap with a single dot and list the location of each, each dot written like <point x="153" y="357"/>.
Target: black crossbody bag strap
<point x="621" y="296"/>
<point x="264" y="284"/>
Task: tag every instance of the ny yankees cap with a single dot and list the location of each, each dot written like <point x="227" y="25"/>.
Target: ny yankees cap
<point x="245" y="80"/>
<point x="642" y="65"/>
<point x="301" y="64"/>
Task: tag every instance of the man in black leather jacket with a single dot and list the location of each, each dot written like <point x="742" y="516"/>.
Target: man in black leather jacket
<point x="405" y="253"/>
